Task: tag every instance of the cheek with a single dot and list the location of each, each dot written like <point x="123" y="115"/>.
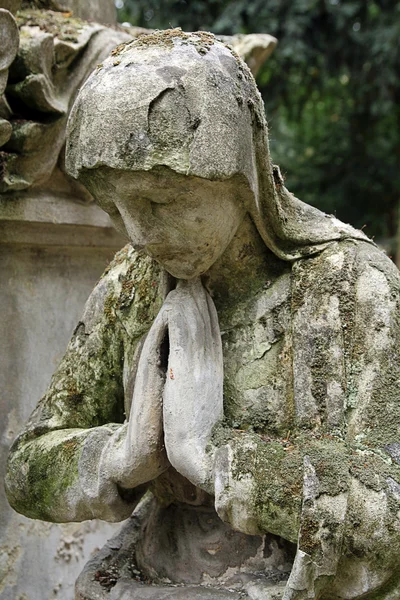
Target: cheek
<point x="220" y="227"/>
<point x="207" y="228"/>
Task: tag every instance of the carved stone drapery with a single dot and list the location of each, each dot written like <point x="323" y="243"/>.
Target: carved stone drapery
<point x="56" y="54"/>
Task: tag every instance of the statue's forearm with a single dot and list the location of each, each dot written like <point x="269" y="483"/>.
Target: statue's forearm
<point x="262" y="482"/>
<point x="59" y="477"/>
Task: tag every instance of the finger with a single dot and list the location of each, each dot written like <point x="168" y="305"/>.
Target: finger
<point x="144" y="442"/>
<point x="188" y="317"/>
<point x="214" y="326"/>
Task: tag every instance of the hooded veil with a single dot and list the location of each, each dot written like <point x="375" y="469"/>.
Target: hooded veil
<point x="187" y="102"/>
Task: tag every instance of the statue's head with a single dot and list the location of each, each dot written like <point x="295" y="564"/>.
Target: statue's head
<point x="170" y="138"/>
<point x="162" y="136"/>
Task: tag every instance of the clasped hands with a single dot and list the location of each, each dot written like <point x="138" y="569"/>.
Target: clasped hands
<point x="176" y="402"/>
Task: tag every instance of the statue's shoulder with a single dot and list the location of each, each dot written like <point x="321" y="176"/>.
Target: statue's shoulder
<point x="363" y="260"/>
<point x="342" y="269"/>
<point x="130" y="291"/>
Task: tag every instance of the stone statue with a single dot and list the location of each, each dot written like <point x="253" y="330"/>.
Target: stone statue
<point x="235" y="374"/>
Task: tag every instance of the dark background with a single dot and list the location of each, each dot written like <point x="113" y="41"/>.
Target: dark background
<point x="331" y="91"/>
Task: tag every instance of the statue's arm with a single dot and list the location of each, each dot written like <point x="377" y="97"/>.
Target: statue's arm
<point x="297" y="487"/>
<point x="58" y="467"/>
<point x="345" y="338"/>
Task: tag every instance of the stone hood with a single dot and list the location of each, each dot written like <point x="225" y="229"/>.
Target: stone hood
<point x="188" y="102"/>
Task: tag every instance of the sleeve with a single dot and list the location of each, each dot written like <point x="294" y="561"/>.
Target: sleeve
<point x="55" y="467"/>
<point x="320" y="290"/>
<point x="298" y="487"/>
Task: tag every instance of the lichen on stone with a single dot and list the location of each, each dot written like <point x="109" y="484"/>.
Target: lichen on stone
<point x="61" y="25"/>
<point x="166" y="38"/>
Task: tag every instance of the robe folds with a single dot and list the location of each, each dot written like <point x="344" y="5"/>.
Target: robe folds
<point x="311" y="367"/>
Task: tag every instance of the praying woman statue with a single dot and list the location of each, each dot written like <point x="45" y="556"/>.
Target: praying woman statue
<point x="236" y="371"/>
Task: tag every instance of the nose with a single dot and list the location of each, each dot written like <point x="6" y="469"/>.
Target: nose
<point x="136" y="223"/>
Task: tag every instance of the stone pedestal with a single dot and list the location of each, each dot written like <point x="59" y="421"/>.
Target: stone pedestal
<point x="52" y="251"/>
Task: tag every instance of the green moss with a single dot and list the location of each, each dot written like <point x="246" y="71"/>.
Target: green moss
<point x="74" y="397"/>
<point x="110" y="306"/>
<point x="5" y="158"/>
<point x="70" y="447"/>
<point x="390" y="590"/>
<point x="201" y="40"/>
<point x="308" y="541"/>
<point x="127" y="292"/>
<point x="278" y="486"/>
<point x="87" y="389"/>
<point x="120" y="48"/>
<point x="275" y="470"/>
<point x="329" y="457"/>
<point x="51" y="469"/>
<point x="320" y="373"/>
<point x="120" y="257"/>
<point x="221" y="435"/>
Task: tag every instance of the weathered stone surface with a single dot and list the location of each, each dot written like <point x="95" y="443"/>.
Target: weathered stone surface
<point x="54" y="244"/>
<point x="9" y="39"/>
<point x="296" y="436"/>
<point x="41" y="84"/>
<point x="101" y="11"/>
<point x="107" y="574"/>
<point x="5" y="131"/>
<point x="9" y="46"/>
<point x="41" y="89"/>
<point x="156" y="136"/>
<point x="253" y="48"/>
<point x="52" y="251"/>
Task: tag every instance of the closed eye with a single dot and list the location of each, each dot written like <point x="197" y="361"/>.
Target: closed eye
<point x="161" y="199"/>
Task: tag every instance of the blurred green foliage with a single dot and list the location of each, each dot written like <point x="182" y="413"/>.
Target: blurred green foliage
<point x="331" y="91"/>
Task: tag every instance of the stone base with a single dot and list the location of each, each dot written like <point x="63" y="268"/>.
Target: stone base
<point x="114" y="574"/>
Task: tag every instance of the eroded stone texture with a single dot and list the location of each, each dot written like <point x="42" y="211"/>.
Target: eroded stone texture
<point x="300" y="309"/>
<point x="10" y="41"/>
<point x="253" y="48"/>
<point x="54" y="245"/>
<point x="101" y="11"/>
<point x="46" y="274"/>
<point x="41" y="88"/>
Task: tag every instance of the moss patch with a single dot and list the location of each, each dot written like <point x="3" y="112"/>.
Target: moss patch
<point x="51" y="468"/>
<point x="201" y="40"/>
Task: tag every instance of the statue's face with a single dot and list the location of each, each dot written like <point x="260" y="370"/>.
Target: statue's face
<point x="185" y="223"/>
